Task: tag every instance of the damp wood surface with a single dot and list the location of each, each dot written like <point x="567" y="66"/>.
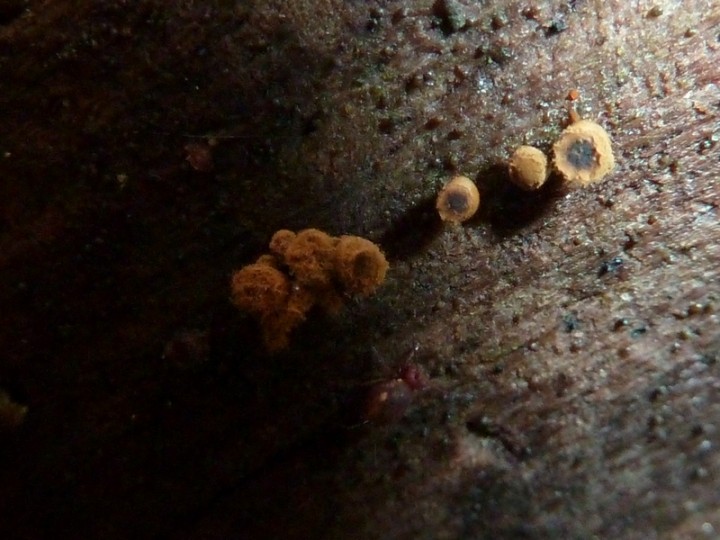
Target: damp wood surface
<point x="570" y="339"/>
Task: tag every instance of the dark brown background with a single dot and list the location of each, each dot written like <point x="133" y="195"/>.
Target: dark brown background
<point x="571" y="340"/>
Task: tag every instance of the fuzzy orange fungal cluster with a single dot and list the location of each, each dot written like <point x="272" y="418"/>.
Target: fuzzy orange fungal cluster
<point x="303" y="270"/>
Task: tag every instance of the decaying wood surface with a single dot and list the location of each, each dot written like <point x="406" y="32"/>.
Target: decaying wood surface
<point x="570" y="339"/>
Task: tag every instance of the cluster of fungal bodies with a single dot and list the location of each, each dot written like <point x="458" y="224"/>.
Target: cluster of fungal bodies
<point x="312" y="269"/>
<point x="581" y="156"/>
<point x="305" y="270"/>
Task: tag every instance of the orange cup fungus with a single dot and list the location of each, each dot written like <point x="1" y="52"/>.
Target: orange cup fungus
<point x="304" y="270"/>
<point x="528" y="168"/>
<point x="583" y="154"/>
<point x="259" y="288"/>
<point x="309" y="257"/>
<point x="360" y="265"/>
<point x="458" y="200"/>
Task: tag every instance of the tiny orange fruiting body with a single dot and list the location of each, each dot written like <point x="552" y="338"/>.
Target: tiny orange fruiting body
<point x="458" y="200"/>
<point x="583" y="154"/>
<point x="528" y="168"/>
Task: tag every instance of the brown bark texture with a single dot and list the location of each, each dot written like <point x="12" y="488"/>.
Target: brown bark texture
<point x="570" y="339"/>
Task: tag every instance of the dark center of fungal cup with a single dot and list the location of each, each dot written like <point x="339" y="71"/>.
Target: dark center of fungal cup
<point x="581" y="155"/>
<point x="457" y="202"/>
<point x="363" y="265"/>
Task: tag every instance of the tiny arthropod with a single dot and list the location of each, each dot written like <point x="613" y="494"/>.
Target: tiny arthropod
<point x="199" y="156"/>
<point x="387" y="401"/>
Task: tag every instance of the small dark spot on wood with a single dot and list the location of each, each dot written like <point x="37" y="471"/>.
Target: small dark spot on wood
<point x="607" y="202"/>
<point x="532" y="12"/>
<point x="499" y="54"/>
<point x="311" y="124"/>
<point x="454" y="135"/>
<point x="414" y="82"/>
<point x="385" y="125"/>
<point x="556" y="27"/>
<point x="398" y="15"/>
<point x="684" y="334"/>
<point x="707" y="144"/>
<point x="499" y="20"/>
<point x="637" y="332"/>
<point x="374" y="20"/>
<point x="450" y="14"/>
<point x="433" y="122"/>
<point x="570" y="322"/>
<point x="620" y="324"/>
<point x="484" y="426"/>
<point x="655" y="430"/>
<point x="709" y="359"/>
<point x="460" y="73"/>
<point x="656" y="393"/>
<point x="654" y="12"/>
<point x="561" y="384"/>
<point x="613" y="265"/>
<point x="664" y="160"/>
<point x="630" y="243"/>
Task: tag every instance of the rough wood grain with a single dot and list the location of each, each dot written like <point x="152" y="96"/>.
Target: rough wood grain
<point x="571" y="339"/>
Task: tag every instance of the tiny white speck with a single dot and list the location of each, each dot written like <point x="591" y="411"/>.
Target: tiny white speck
<point x="705" y="446"/>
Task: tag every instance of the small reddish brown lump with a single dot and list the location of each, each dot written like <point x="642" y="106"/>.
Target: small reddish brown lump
<point x="305" y="269"/>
